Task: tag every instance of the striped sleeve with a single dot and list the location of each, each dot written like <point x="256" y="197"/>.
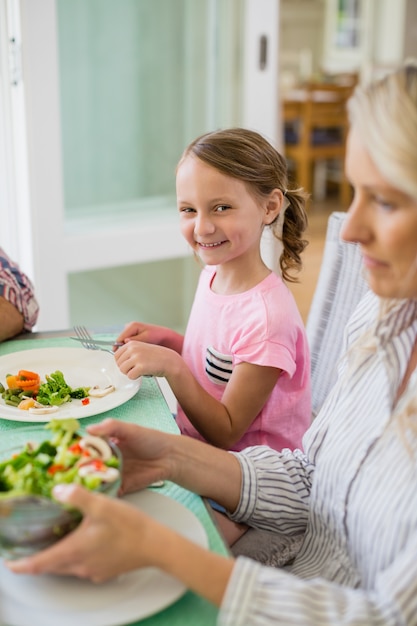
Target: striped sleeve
<point x="275" y="489"/>
<point x="265" y="596"/>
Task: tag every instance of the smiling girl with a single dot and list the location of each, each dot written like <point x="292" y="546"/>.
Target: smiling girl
<point x="241" y="373"/>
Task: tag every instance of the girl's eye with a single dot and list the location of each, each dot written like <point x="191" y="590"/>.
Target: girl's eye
<point x="187" y="209"/>
<point x="222" y="207"/>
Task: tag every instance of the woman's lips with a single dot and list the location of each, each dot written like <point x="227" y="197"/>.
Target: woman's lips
<point x="371" y="263"/>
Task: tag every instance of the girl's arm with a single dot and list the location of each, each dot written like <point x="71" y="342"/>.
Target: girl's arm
<point x="221" y="423"/>
<point x="224" y="422"/>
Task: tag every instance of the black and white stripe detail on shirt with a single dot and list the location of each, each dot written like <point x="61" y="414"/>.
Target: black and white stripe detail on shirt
<point x="219" y="367"/>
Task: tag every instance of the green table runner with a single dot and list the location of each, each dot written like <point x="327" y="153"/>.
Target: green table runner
<point x="148" y="408"/>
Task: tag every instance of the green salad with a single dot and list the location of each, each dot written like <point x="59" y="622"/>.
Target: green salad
<point x="66" y="457"/>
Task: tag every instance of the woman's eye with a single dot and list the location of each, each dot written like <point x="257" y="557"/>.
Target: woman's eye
<point x="383" y="203"/>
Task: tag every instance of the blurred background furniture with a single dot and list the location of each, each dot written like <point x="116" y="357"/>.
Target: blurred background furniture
<point x="315" y="129"/>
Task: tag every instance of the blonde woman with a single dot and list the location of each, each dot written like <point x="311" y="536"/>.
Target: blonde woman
<point x="354" y="488"/>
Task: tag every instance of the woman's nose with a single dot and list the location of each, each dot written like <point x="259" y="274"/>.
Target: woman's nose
<point x="355" y="228"/>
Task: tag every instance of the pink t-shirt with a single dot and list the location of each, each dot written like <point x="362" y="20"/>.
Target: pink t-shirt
<point x="261" y="326"/>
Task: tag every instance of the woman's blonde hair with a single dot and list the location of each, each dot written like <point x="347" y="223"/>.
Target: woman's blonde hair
<point x="385" y="114"/>
<point x="247" y="156"/>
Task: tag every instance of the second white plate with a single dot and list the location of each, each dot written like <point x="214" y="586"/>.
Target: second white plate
<point x="52" y="600"/>
<point x="81" y="368"/>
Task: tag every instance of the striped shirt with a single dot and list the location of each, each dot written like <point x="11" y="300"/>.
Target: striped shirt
<point x="16" y="287"/>
<point x="353" y="490"/>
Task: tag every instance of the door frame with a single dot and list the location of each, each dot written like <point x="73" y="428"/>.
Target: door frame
<point x="35" y="201"/>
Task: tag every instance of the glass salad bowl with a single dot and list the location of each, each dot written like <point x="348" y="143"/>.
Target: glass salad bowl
<point x="35" y="461"/>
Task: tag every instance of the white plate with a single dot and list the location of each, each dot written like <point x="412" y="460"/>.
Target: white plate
<point x="81" y="368"/>
<point x="52" y="600"/>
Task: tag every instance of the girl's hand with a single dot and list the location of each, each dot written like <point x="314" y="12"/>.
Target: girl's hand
<point x="150" y="333"/>
<point x="140" y="332"/>
<point x="143" y="359"/>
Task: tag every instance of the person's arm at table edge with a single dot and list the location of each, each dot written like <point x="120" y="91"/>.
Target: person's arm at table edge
<point x="11" y="320"/>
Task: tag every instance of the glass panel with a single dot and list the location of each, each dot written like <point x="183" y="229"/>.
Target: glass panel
<point x="138" y="80"/>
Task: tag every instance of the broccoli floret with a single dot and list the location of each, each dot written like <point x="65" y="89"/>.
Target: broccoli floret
<point x="56" y="391"/>
<point x="79" y="393"/>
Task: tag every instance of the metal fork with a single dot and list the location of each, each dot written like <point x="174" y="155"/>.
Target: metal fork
<point x="87" y="341"/>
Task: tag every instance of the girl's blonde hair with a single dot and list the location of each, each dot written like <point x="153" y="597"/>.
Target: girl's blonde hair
<point x="247" y="156"/>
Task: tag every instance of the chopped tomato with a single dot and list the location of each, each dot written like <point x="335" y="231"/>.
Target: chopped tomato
<point x="55" y="468"/>
<point x="75" y="448"/>
<point x="97" y="464"/>
<point x="85" y="401"/>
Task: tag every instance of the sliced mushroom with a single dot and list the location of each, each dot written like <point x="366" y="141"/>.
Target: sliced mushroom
<point x="42" y="410"/>
<point x="96" y="446"/>
<point x="157" y="483"/>
<point x="107" y="475"/>
<point x="99" y="392"/>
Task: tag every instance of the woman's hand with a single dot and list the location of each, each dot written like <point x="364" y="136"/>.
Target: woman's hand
<point x="147" y="453"/>
<point x="150" y="455"/>
<point x="113" y="538"/>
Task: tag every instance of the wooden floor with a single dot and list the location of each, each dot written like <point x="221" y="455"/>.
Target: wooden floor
<point x="312" y="255"/>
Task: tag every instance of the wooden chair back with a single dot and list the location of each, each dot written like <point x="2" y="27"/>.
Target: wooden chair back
<point x="318" y="119"/>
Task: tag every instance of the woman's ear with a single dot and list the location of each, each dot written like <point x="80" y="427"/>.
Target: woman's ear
<point x="273" y="205"/>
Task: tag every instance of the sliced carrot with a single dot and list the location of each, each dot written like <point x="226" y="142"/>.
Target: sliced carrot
<point x="27" y="375"/>
<point x="24" y="380"/>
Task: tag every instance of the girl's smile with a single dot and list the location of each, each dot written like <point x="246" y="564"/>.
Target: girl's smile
<point x="210" y="245"/>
